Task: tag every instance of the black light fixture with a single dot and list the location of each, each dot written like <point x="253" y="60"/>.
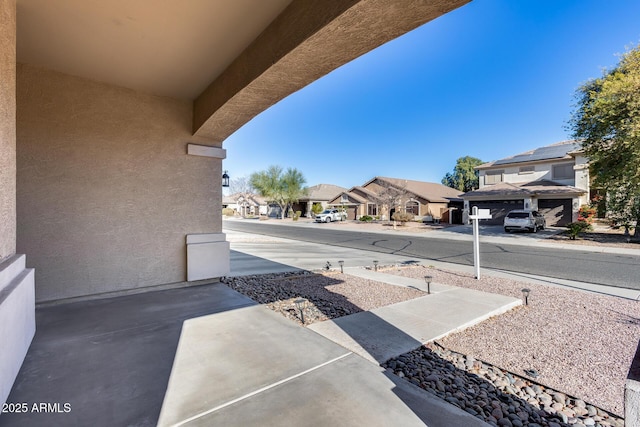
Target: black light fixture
<point x="525" y="294"/>
<point x="428" y="279"/>
<point x="301" y="304"/>
<point x="341" y="266"/>
<point x="375" y="265"/>
<point x="225" y="179"/>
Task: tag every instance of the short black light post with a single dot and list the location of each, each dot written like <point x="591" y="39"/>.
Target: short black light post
<point x="525" y="295"/>
<point x="375" y="265"/>
<point x="301" y="303"/>
<point x="428" y="279"/>
<point x="341" y="266"/>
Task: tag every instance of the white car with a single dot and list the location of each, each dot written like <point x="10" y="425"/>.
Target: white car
<point x="521" y="219"/>
<point x="329" y="215"/>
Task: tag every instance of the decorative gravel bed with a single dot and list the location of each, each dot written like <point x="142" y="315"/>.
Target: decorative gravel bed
<point x="329" y="295"/>
<point x="496" y="396"/>
<point x="580" y="343"/>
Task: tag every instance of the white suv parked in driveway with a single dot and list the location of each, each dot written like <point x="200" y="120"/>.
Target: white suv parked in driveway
<point x="521" y="219"/>
<point x="329" y="215"/>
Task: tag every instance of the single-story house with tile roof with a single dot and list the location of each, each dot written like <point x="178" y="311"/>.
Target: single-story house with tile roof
<point x="246" y="204"/>
<point x="426" y="200"/>
<point x="320" y="193"/>
<point x="553" y="180"/>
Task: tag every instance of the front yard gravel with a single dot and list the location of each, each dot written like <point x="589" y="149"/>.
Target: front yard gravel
<point x="580" y="343"/>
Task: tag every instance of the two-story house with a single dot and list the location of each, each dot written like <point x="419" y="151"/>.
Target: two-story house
<point x="553" y="180"/>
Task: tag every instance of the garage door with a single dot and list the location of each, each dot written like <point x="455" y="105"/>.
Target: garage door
<point x="499" y="209"/>
<point x="556" y="211"/>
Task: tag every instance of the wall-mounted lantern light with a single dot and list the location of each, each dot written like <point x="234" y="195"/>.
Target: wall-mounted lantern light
<point x="225" y="179"/>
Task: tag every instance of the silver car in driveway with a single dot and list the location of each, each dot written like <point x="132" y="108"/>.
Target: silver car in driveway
<point x="522" y="219"/>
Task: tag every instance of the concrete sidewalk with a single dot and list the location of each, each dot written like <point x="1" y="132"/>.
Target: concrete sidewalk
<point x="390" y="331"/>
<point x="253" y="367"/>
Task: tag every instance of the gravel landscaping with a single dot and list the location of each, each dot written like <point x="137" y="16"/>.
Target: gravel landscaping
<point x="329" y="295"/>
<point x="579" y="344"/>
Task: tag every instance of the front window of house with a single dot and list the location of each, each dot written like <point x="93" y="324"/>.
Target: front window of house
<point x="344" y="199"/>
<point x="413" y="207"/>
<point x="372" y="210"/>
<point x="562" y="171"/>
<point x="493" y="177"/>
<point x="526" y="169"/>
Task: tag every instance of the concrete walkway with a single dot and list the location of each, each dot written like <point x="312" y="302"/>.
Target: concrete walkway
<point x="390" y="331"/>
<point x="252" y="366"/>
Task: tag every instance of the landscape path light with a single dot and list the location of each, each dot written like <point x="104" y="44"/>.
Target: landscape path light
<point x="301" y="303"/>
<point x="341" y="266"/>
<point x="428" y="279"/>
<point x="375" y="265"/>
<point x="525" y="295"/>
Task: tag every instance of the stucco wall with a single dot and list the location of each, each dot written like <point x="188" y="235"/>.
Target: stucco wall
<point x="7" y="128"/>
<point x="542" y="171"/>
<point x="106" y="190"/>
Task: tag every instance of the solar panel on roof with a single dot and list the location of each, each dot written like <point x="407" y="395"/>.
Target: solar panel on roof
<point x="543" y="153"/>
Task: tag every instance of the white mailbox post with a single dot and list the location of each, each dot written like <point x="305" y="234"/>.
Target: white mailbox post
<point x="476" y="216"/>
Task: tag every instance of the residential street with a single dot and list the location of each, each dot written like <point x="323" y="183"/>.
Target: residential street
<point x="524" y="255"/>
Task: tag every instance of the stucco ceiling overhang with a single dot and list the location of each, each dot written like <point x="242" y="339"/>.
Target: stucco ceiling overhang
<point x="173" y="48"/>
<point x="233" y="58"/>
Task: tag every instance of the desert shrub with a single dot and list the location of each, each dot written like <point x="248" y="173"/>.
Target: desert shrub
<point x="586" y="214"/>
<point x="402" y="216"/>
<point x="574" y="229"/>
<point x="366" y="218"/>
<point x="228" y="212"/>
<point x="316" y="208"/>
<point x="297" y="215"/>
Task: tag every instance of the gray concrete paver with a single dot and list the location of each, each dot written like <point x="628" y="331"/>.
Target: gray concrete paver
<point x="390" y="331"/>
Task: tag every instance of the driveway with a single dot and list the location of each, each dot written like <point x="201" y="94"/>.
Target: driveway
<point x="498" y="231"/>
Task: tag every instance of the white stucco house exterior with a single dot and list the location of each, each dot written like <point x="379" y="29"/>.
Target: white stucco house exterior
<point x="553" y="180"/>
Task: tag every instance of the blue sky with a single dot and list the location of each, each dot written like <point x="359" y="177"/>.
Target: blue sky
<point x="490" y="79"/>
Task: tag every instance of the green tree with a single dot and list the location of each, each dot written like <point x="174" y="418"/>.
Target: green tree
<point x="465" y="176"/>
<point x="317" y="208"/>
<point x="607" y="120"/>
<point x="279" y="187"/>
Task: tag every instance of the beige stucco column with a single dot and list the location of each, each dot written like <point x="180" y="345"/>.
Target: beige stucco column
<point x="17" y="295"/>
<point x="7" y="128"/>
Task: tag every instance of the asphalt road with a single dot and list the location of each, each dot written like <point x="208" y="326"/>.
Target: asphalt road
<point x="583" y="266"/>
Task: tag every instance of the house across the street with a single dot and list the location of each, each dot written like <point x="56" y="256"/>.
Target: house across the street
<point x="320" y="193"/>
<point x="553" y="180"/>
<point x="429" y="201"/>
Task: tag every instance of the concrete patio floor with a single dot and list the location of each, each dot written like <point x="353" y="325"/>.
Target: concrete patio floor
<point x="202" y="356"/>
